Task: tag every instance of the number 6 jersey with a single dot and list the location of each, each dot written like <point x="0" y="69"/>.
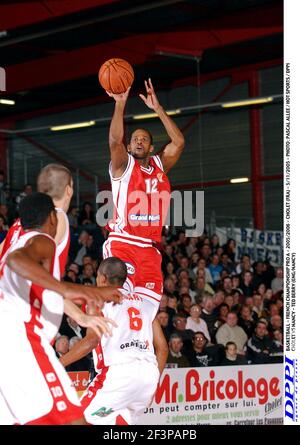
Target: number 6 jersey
<point x="133" y="338"/>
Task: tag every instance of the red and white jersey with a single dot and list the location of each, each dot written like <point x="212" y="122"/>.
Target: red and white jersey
<point x="141" y="198"/>
<point x="39" y="308"/>
<point x="16" y="231"/>
<point x="133" y="338"/>
<point x="12" y="236"/>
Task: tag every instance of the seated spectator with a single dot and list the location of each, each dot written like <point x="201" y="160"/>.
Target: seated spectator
<point x="246" y="321"/>
<point x="71" y="277"/>
<point x="195" y="323"/>
<point x="184" y="266"/>
<point x="214" y="243"/>
<point x="258" y="274"/>
<point x="236" y="283"/>
<point x="176" y="359"/>
<point x="230" y="249"/>
<point x="249" y="303"/>
<point x="232" y="357"/>
<point x="261" y="349"/>
<point x="230" y="331"/>
<point x="164" y="307"/>
<point x="215" y="269"/>
<point x="277" y="283"/>
<point x="244" y="266"/>
<point x="184" y="307"/>
<point x="179" y="327"/>
<point x="202" y="288"/>
<point x="172" y="303"/>
<point x="223" y="310"/>
<point x="187" y="290"/>
<point x="258" y="306"/>
<point x="3" y="228"/>
<point x="88" y="272"/>
<point x="170" y="287"/>
<point x="86" y="215"/>
<point x="227" y="285"/>
<point x="84" y="364"/>
<point x="218" y="299"/>
<point x="202" y="267"/>
<point x="61" y="345"/>
<point x="79" y="248"/>
<point x="73" y="217"/>
<point x="226" y="263"/>
<point x="163" y="319"/>
<point x="69" y="328"/>
<point x="275" y="323"/>
<point x="246" y="285"/>
<point x="27" y="190"/>
<point x="202" y="355"/>
<point x="278" y="338"/>
<point x="238" y="299"/>
<point x="208" y="315"/>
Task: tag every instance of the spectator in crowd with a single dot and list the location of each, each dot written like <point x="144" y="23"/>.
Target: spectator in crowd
<point x="185" y="306"/>
<point x="215" y="269"/>
<point x="236" y="282"/>
<point x="181" y="243"/>
<point x="205" y="252"/>
<point x="202" y="355"/>
<point x="69" y="328"/>
<point x="164" y="307"/>
<point x="245" y="265"/>
<point x="227" y="285"/>
<point x="3" y="228"/>
<point x="27" y="190"/>
<point x="88" y="272"/>
<point x="230" y="331"/>
<point x="262" y="349"/>
<point x="176" y="359"/>
<point x="246" y="286"/>
<point x="246" y="321"/>
<point x="202" y="288"/>
<point x="184" y="266"/>
<point x="163" y="319"/>
<point x="278" y="338"/>
<point x="275" y="323"/>
<point x="226" y="263"/>
<point x="258" y="306"/>
<point x="214" y="243"/>
<point x="223" y="310"/>
<point x="208" y="314"/>
<point x="218" y="299"/>
<point x="172" y="303"/>
<point x="195" y="323"/>
<point x="202" y="267"/>
<point x="84" y="364"/>
<point x="277" y="283"/>
<point x="179" y="327"/>
<point x="230" y="249"/>
<point x="86" y="215"/>
<point x="232" y="357"/>
<point x="258" y="274"/>
<point x="73" y="217"/>
<point x="61" y="345"/>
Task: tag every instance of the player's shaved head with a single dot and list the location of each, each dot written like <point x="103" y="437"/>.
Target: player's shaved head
<point x="53" y="180"/>
<point x="114" y="270"/>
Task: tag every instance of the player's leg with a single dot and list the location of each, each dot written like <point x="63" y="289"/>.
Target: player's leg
<point x="34" y="384"/>
<point x="107" y="397"/>
<point x="149" y="280"/>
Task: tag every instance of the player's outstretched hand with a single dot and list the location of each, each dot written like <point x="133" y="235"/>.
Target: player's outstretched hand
<point x="151" y="100"/>
<point x="119" y="97"/>
<point x="85" y="294"/>
<point x="100" y="325"/>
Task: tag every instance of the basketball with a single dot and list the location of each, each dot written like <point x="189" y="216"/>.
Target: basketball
<point x="116" y="75"/>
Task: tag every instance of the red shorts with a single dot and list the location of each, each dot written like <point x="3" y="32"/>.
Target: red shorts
<point x="143" y="263"/>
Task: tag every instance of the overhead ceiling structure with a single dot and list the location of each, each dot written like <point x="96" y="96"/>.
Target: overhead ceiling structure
<point x="52" y="50"/>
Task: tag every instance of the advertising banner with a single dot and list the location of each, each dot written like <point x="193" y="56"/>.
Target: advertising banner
<point x="225" y="395"/>
<point x="80" y="380"/>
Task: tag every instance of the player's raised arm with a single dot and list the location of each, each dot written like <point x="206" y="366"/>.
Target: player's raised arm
<point x="171" y="153"/>
<point x="118" y="152"/>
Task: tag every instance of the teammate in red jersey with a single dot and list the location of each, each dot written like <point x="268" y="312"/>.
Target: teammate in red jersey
<point x="141" y="194"/>
<point x="34" y="388"/>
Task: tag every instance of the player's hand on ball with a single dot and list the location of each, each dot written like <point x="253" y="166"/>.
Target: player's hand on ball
<point x="122" y="97"/>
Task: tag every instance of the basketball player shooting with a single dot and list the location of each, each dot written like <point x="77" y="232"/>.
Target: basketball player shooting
<point x="135" y="172"/>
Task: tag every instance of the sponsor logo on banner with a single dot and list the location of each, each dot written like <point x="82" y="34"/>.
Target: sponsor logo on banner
<point x="130" y="269"/>
<point x="290" y="389"/>
<point x="231" y="395"/>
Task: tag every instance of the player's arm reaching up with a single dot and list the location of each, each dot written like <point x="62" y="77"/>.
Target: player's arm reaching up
<point x="172" y="151"/>
<point x="118" y="152"/>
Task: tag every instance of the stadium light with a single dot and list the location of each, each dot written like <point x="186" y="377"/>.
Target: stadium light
<point x="7" y="102"/>
<point x="152" y="115"/>
<point x="238" y="180"/>
<point x="72" y="126"/>
<point x="244" y="103"/>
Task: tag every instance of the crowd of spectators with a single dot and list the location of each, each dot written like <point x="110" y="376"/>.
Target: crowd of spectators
<point x="216" y="309"/>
